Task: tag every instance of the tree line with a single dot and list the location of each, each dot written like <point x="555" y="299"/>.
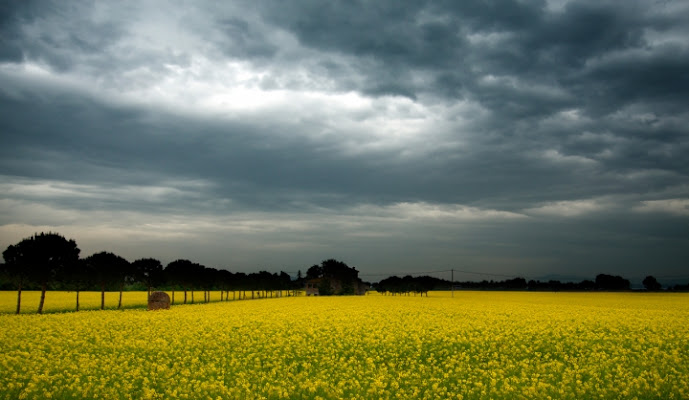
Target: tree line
<point x="50" y="261"/>
<point x="603" y="282"/>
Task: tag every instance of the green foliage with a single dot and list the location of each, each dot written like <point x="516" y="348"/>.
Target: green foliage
<point x="347" y="288"/>
<point x="325" y="288"/>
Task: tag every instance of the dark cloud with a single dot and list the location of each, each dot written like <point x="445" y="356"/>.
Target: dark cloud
<point x="521" y="41"/>
<point x="528" y="138"/>
<point x="10" y="47"/>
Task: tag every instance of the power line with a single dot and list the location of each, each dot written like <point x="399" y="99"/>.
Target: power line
<point x="672" y="276"/>
<point x="488" y="274"/>
<point x="407" y="273"/>
<point x="445" y="271"/>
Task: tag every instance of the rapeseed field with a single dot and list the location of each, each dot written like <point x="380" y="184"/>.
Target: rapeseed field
<point x="66" y="301"/>
<point x="475" y="345"/>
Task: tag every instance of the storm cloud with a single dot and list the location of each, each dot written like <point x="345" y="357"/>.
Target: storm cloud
<point x="527" y="139"/>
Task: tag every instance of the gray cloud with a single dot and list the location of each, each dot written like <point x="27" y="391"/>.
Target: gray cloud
<point x="528" y="139"/>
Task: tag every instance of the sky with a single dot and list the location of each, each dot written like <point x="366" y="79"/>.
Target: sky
<point x="499" y="138"/>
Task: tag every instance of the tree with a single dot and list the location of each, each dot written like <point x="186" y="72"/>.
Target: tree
<point x="516" y="283"/>
<point x="651" y="284"/>
<point x="340" y="271"/>
<point x="609" y="282"/>
<point x="241" y="283"/>
<point x="284" y="281"/>
<point x="15" y="271"/>
<point x="40" y="258"/>
<point x="149" y="271"/>
<point x="109" y="269"/>
<point x="207" y="280"/>
<point x="226" y="280"/>
<point x="315" y="271"/>
<point x="298" y="283"/>
<point x="325" y="288"/>
<point x="184" y="273"/>
<point x="79" y="276"/>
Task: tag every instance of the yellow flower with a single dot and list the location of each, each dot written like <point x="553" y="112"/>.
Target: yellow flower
<point x="475" y="345"/>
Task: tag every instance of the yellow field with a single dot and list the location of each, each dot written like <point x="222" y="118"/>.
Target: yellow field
<point x="477" y="345"/>
<point x="66" y="301"/>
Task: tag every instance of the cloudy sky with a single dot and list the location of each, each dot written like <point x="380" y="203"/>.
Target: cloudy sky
<point x="528" y="138"/>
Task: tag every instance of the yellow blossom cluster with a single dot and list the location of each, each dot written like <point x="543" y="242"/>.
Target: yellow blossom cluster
<point x="475" y="345"/>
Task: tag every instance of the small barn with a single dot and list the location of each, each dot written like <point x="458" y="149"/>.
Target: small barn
<point x="312" y="286"/>
<point x="336" y="286"/>
<point x="333" y="277"/>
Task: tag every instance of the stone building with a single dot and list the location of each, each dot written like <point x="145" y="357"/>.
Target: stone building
<point x="314" y="286"/>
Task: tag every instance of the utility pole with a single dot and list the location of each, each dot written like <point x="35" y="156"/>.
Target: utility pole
<point x="453" y="282"/>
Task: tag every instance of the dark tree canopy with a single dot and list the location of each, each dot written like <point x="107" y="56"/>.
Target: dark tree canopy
<point x="610" y="282"/>
<point x="338" y="270"/>
<point x="14" y="269"/>
<point x="109" y="270"/>
<point x="40" y="259"/>
<point x="651" y="284"/>
<point x="314" y="272"/>
<point x="79" y="275"/>
<point x="184" y="273"/>
<point x="148" y="271"/>
<point x="407" y="284"/>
